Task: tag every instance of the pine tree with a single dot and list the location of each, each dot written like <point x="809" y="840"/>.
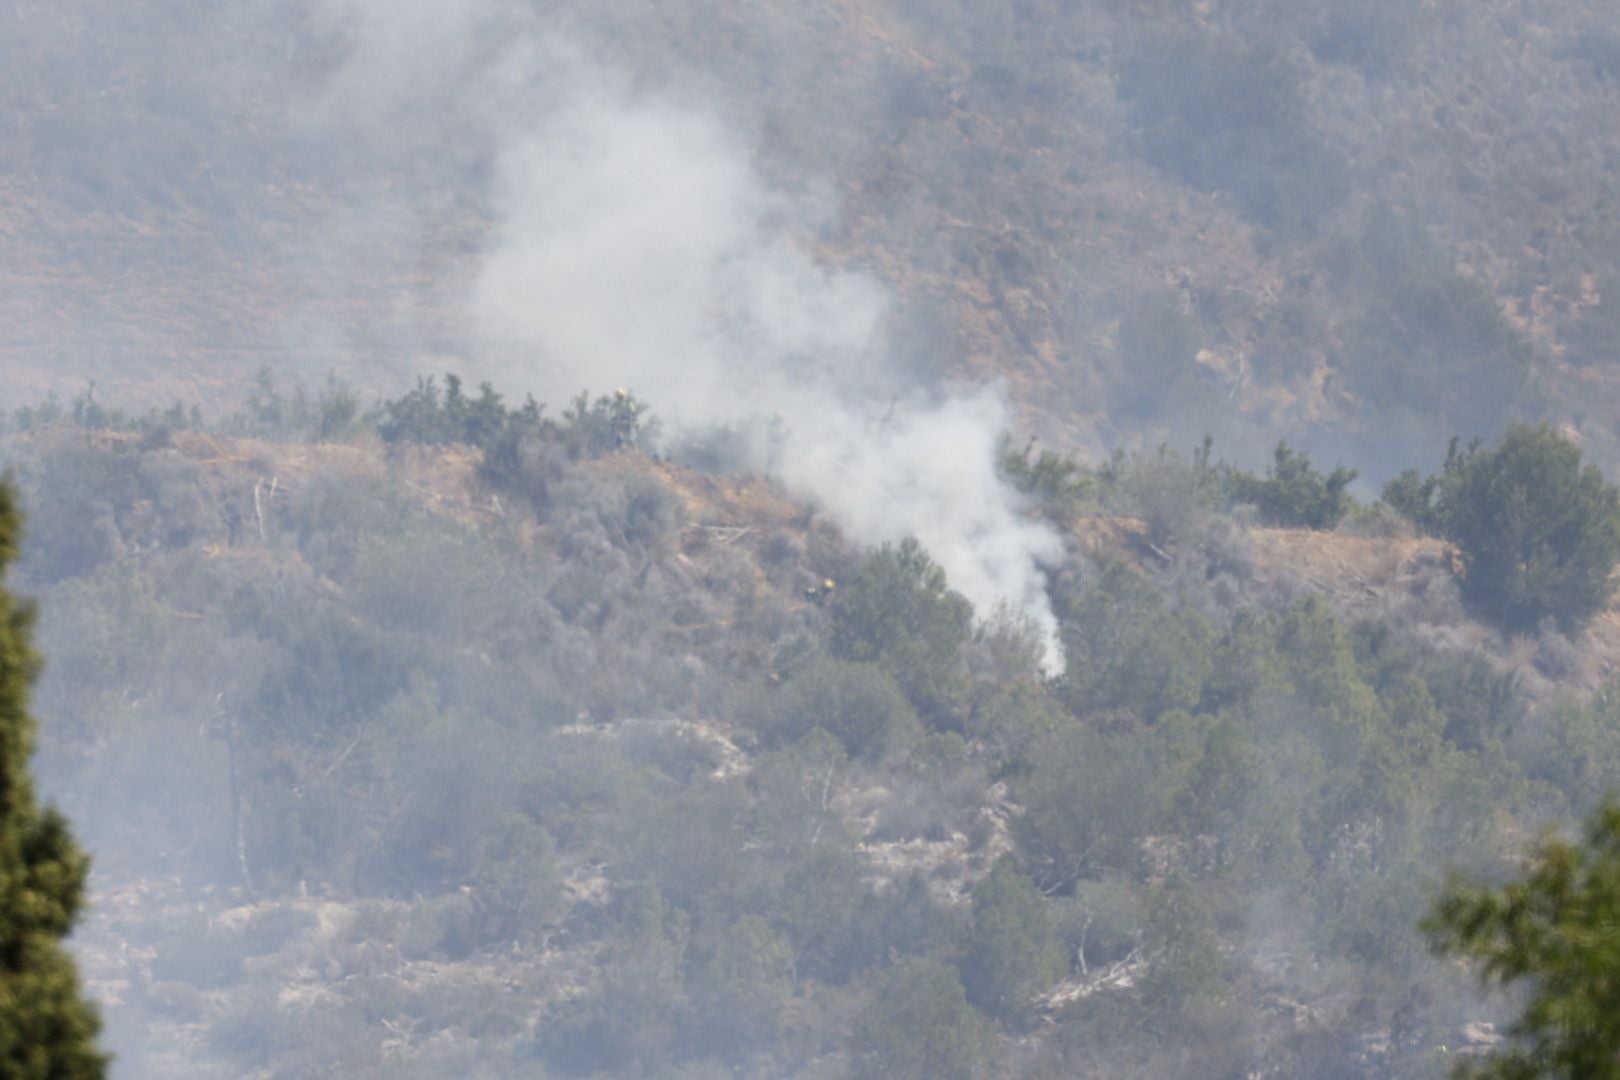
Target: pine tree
<point x="1554" y="931"/>
<point x="1013" y="951"/>
<point x="47" y="1028"/>
<point x="1539" y="532"/>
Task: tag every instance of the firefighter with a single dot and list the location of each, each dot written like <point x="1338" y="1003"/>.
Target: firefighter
<point x="818" y="594"/>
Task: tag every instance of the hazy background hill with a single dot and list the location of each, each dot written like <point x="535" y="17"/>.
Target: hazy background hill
<point x="1365" y="228"/>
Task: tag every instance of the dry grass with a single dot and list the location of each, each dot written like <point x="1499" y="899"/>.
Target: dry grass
<point x="1409" y="581"/>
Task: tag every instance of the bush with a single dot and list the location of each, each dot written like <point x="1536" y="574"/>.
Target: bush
<point x="1292" y="493"/>
<point x="1572" y="747"/>
<point x="900" y="614"/>
<point x="331" y="414"/>
<point x="1128" y="650"/>
<point x="423" y="416"/>
<point x="1013" y="951"/>
<point x="858" y="703"/>
<point x="1538" y="533"/>
<point x="1101" y="923"/>
<point x="1171" y="493"/>
<point x="1479" y="702"/>
<point x="518" y="884"/>
<point x="742" y="985"/>
<point x="1182" y="946"/>
<point x="921" y="1026"/>
<point x="509" y="436"/>
<point x="631" y="1020"/>
<point x="1057" y="482"/>
<point x="1089" y="801"/>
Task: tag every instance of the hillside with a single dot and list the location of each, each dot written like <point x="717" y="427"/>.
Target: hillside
<point x="718" y="689"/>
<point x="1365" y="230"/>
<point x="399" y="765"/>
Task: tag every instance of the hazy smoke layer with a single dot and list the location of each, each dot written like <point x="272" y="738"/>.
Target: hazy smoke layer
<point x="636" y="246"/>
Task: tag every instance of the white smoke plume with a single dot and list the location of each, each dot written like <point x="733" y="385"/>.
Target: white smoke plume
<point x="930" y="472"/>
<point x="636" y="245"/>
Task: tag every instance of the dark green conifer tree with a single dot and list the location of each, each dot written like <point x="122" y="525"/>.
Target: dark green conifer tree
<point x="1013" y="951"/>
<point x="47" y="1028"/>
<point x="1555" y="932"/>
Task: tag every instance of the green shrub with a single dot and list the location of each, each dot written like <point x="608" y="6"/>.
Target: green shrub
<point x="1182" y="946"/>
<point x="1171" y="493"/>
<point x="1293" y="494"/>
<point x="508" y="436"/>
<point x="1479" y="703"/>
<point x="1128" y="650"/>
<point x="920" y="1027"/>
<point x="629" y="1022"/>
<point x="860" y="704"/>
<point x="517" y="884"/>
<point x="424" y="416"/>
<point x="1057" y="482"/>
<point x="741" y="986"/>
<point x="331" y="413"/>
<point x="820" y="904"/>
<point x="1414" y="496"/>
<point x="899" y="613"/>
<point x="1013" y="952"/>
<point x="1538" y="532"/>
<point x="1573" y="748"/>
<point x="1089" y="800"/>
<point x="1101" y="923"/>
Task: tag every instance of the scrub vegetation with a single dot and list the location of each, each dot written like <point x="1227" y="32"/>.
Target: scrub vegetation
<point x="1101" y="562"/>
<point x="488" y="742"/>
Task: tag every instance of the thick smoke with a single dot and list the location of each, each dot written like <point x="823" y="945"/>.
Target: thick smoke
<point x="635" y="245"/>
<point x="930" y="472"/>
